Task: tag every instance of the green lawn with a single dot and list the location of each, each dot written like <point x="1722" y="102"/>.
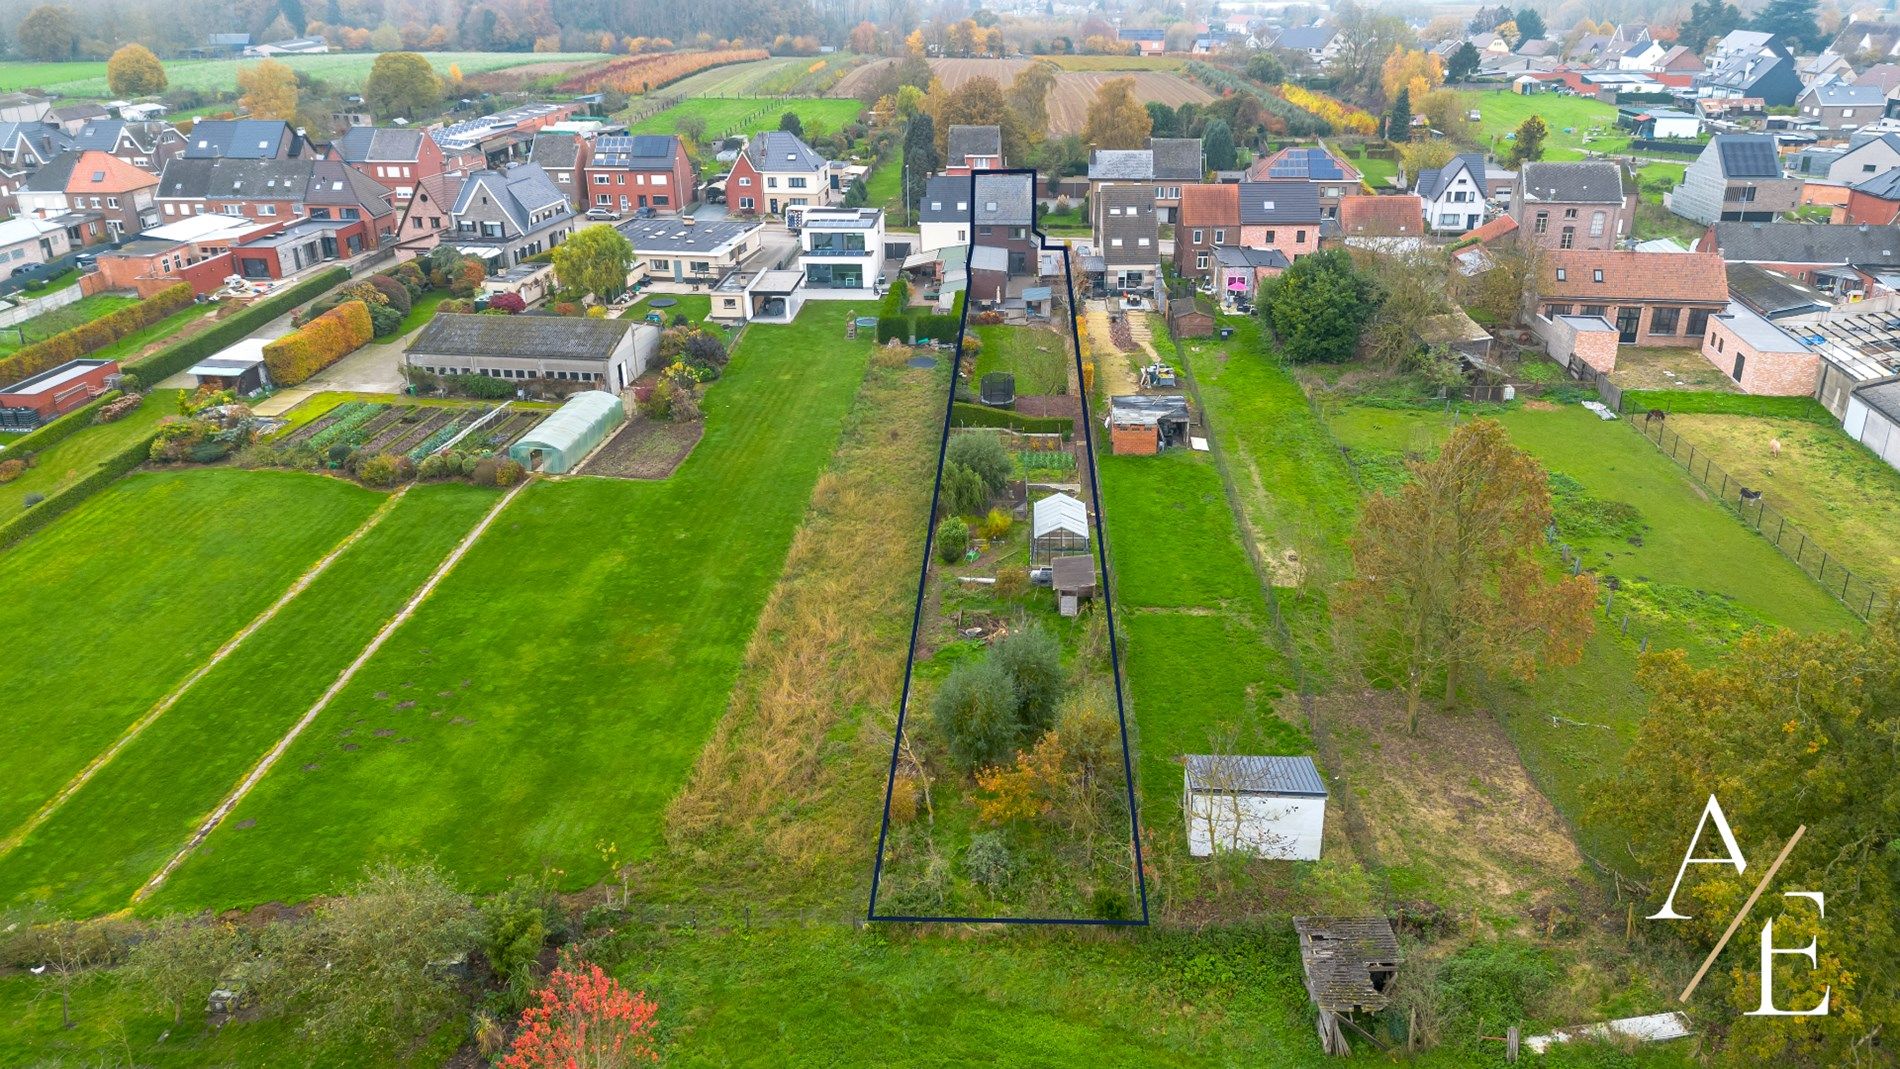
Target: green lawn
<point x="421" y="311"/>
<point x="15" y="75"/>
<point x="1578" y="125"/>
<point x="1038" y="357"/>
<point x="728" y="116"/>
<point x="65" y="463"/>
<point x="47" y="324"/>
<point x="114" y="604"/>
<point x="340" y="70"/>
<point x="597" y="676"/>
<point x="884" y="187"/>
<point x="122" y="827"/>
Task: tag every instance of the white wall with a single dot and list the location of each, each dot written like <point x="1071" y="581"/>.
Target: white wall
<point x="934" y="236"/>
<point x="1270" y="826"/>
<point x="1872" y="430"/>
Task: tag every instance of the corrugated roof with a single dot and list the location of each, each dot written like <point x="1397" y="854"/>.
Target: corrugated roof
<point x="553" y="337"/>
<point x="1249" y="774"/>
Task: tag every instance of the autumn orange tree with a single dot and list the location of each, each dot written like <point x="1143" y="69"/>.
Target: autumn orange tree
<point x="585" y="1019"/>
<point x="1449" y="577"/>
<point x="1117" y="118"/>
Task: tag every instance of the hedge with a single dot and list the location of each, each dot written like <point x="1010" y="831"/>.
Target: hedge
<point x="893" y="327"/>
<point x="964" y="414"/>
<point x="108" y="472"/>
<point x="938" y="327"/>
<point x="51" y="434"/>
<point x="319" y="343"/>
<point x="1802" y="407"/>
<point x="172" y="359"/>
<point x="94" y="334"/>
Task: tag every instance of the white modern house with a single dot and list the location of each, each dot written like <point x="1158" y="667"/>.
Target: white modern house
<point x="1453" y="195"/>
<point x="841" y="248"/>
<point x="1270" y="807"/>
<point x="943" y="214"/>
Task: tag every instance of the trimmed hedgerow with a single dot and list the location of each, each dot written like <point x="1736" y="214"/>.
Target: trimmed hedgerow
<point x="69" y="498"/>
<point x="172" y="359"/>
<point x="319" y="343"/>
<point x="964" y="414"/>
<point x="51" y="434"/>
<point x="94" y="334"/>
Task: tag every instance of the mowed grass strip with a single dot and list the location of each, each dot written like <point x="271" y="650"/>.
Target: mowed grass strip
<point x="579" y="656"/>
<point x="111" y="836"/>
<point x="1040" y="358"/>
<point x="750" y="115"/>
<point x="112" y="606"/>
<point x="65" y="463"/>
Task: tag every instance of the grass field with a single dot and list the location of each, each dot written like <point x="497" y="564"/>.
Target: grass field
<point x="114" y="604"/>
<point x="599" y="681"/>
<point x="726" y="116"/>
<point x="1039" y="358"/>
<point x="125" y="823"/>
<point x="340" y="70"/>
<point x="65" y="463"/>
<point x="1578" y="125"/>
<point x="1838" y="493"/>
<point x="47" y="324"/>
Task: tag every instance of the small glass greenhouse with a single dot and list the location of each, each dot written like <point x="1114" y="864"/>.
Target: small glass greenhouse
<point x="565" y="438"/>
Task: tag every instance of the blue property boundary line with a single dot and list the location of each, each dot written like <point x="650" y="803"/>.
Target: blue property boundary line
<point x="1108" y="601"/>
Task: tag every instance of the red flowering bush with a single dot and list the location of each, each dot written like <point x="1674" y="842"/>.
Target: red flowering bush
<point x="585" y="1020"/>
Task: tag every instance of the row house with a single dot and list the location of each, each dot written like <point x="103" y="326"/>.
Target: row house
<point x="1167" y="166"/>
<point x="354" y="213"/>
<point x="564" y="156"/>
<point x="1281" y="216"/>
<point x="25" y="147"/>
<point x="96" y="197"/>
<point x="627" y="173"/>
<point x="396" y="157"/>
<point x="1572" y="205"/>
<point x="1841" y="260"/>
<point x="493" y="141"/>
<point x="429" y="215"/>
<point x="943" y="214"/>
<point x="1127" y="240"/>
<point x="1335" y="178"/>
<point x="146" y="145"/>
<point x="972" y="148"/>
<point x="1649" y="298"/>
<point x="777" y="173"/>
<point x="509" y="215"/>
<point x="246" y="139"/>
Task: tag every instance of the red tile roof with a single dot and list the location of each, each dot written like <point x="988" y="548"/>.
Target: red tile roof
<point x="1691" y="277"/>
<point x="1381" y="216"/>
<point x="1502" y="226"/>
<point x="114" y="175"/>
<point x="1210" y="204"/>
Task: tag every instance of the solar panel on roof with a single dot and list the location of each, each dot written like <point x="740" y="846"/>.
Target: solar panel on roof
<point x="1750" y="158"/>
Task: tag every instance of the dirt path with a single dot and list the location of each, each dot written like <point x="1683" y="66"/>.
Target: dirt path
<point x="283" y="745"/>
<point x="165" y="703"/>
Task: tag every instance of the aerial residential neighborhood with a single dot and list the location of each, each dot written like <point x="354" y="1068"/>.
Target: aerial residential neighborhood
<point x="1030" y="534"/>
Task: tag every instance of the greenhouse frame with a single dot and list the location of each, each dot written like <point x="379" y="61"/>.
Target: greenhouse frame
<point x="565" y="438"/>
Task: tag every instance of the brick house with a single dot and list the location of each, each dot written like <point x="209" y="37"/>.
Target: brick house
<point x="1840" y="106"/>
<point x="147" y="145"/>
<point x="650" y="171"/>
<point x="1572" y="205"/>
<point x="284" y="191"/>
<point x="972" y="148"/>
<point x="510" y="215"/>
<point x="1126" y="236"/>
<point x="1758" y="355"/>
<point x="1836" y="259"/>
<point x="1361" y="215"/>
<point x="197" y="250"/>
<point x="564" y="156"/>
<point x="1335" y="178"/>
<point x="96" y="197"/>
<point x="1209" y="219"/>
<point x="1282" y="216"/>
<point x="428" y="216"/>
<point x="397" y="157"/>
<point x="1875" y="202"/>
<point x="775" y="174"/>
<point x="1652" y="298"/>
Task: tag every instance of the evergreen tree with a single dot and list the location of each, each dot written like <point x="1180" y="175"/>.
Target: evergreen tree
<point x="1398" y="121"/>
<point x="1791" y="20"/>
<point x="1317" y="307"/>
<point x="1463" y="64"/>
<point x="1709" y="20"/>
<point x="920" y="158"/>
<point x="1529" y="144"/>
<point x="1218" y="141"/>
<point x="1530" y="25"/>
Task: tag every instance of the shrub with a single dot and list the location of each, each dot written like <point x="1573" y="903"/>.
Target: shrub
<point x="892" y="328"/>
<point x="1489" y="986"/>
<point x="1032" y="659"/>
<point x="393" y="291"/>
<point x="658" y="403"/>
<point x="953" y="540"/>
<point x="384" y="320"/>
<point x="384" y="469"/>
<point x="319" y="343"/>
<point x="94" y="334"/>
<point x="511" y="303"/>
<point x="963" y="491"/>
<point x="937" y="328"/>
<point x="989" y="860"/>
<point x="965" y="414"/>
<point x="1011" y="582"/>
<point x="997" y="524"/>
<point x="438" y="466"/>
<point x="509" y="472"/>
<point x="11" y="469"/>
<point x="975" y="708"/>
<point x="483" y="473"/>
<point x="985" y="455"/>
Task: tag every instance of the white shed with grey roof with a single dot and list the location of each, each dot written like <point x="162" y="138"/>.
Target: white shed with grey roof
<point x="1270" y="807"/>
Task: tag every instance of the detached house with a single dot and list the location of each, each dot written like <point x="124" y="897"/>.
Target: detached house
<point x="1572" y="205"/>
<point x="1453" y="195"/>
<point x="777" y="173"/>
<point x="1768" y="74"/>
<point x="96" y="197"/>
<point x="397" y="157"/>
<point x="1867" y="156"/>
<point x="506" y="216"/>
<point x="1736" y="178"/>
<point x="1650" y="298"/>
<point x="1838" y="106"/>
<point x="627" y="173"/>
<point x="972" y="148"/>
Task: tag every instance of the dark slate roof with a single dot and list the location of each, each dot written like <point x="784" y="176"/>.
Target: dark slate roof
<point x="520" y="190"/>
<point x="556" y="150"/>
<point x="638" y="152"/>
<point x="1279" y="202"/>
<point x="53" y="174"/>
<point x="47" y="141"/>
<point x="1121" y="165"/>
<point x="1744" y="71"/>
<point x="1432" y="181"/>
<point x="1771" y="293"/>
<point x="1573" y="183"/>
<point x="1881" y="395"/>
<point x="104" y="134"/>
<point x="1843" y="95"/>
<point x="1178" y="159"/>
<point x="1235" y="256"/>
<point x="331" y="182"/>
<point x="777" y="150"/>
<point x="945" y="200"/>
<point x="206" y="176"/>
<point x="665" y="235"/>
<point x="1136" y="221"/>
<point x="1747" y="155"/>
<point x="1808" y="243"/>
<point x="1886" y="186"/>
<point x="1255" y="775"/>
<point x="1009" y="199"/>
<point x="1309" y="162"/>
<point x="381" y="144"/>
<point x="238" y="139"/>
<point x="962" y="142"/>
<point x="1306" y="37"/>
<point x="69" y="112"/>
<point x="551" y="337"/>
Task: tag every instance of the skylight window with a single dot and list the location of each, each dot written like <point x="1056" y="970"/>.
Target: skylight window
<point x="1598" y="273"/>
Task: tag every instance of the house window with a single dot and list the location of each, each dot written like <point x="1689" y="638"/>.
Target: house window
<point x="1595" y="309"/>
<point x="1269" y="237"/>
<point x="745" y="204"/>
<point x="1663" y="320"/>
<point x="601" y="180"/>
<point x="1698" y="320"/>
<point x="1199" y="235"/>
<point x="1596" y="224"/>
<point x="1552" y="311"/>
<point x="1542" y="224"/>
<point x="1200" y="261"/>
<point x="1597" y="275"/>
<point x="1570" y="213"/>
<point x="1299" y="237"/>
<point x="1220" y="236"/>
<point x="744" y="181"/>
<point x="1746" y="194"/>
<point x="1737" y="373"/>
<point x="1560" y="274"/>
<point x="1568" y="239"/>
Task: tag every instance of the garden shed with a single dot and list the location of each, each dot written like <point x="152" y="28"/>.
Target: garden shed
<point x="1349" y="965"/>
<point x="1059" y="527"/>
<point x="1271" y="807"/>
<point x="564" y="439"/>
<point x="1073" y="579"/>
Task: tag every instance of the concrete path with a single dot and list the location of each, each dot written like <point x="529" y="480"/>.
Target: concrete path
<point x="276" y="328"/>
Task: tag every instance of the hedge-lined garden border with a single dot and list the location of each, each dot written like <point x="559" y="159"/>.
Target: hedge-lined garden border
<point x="965" y="414"/>
<point x="319" y="343"/>
<point x="71" y="497"/>
<point x="174" y="358"/>
<point x="77" y="343"/>
<point x="47" y="435"/>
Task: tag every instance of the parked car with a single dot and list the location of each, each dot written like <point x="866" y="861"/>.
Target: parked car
<point x="85" y="261"/>
<point x="605" y="215"/>
<point x="645" y="212"/>
<point x="32" y="271"/>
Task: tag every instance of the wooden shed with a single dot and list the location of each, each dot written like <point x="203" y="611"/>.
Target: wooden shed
<point x="1349" y="965"/>
<point x="1073" y="579"/>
